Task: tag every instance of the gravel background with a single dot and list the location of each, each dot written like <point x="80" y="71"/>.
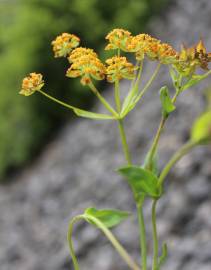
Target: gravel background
<point x="76" y="171"/>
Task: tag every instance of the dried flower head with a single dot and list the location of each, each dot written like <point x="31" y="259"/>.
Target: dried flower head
<point x="31" y="83"/>
<point x="119" y="68"/>
<point x="78" y="52"/>
<point x="64" y="44"/>
<point x="87" y="66"/>
<point x="191" y="58"/>
<point x="118" y="39"/>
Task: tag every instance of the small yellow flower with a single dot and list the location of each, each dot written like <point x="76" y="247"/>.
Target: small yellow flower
<point x="119" y="68"/>
<point x="87" y="66"/>
<point x="78" y="52"/>
<point x="167" y="54"/>
<point x="118" y="39"/>
<point x="31" y="83"/>
<point x="162" y="52"/>
<point x="64" y="44"/>
<point x="139" y="44"/>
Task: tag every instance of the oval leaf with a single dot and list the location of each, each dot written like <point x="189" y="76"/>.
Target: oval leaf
<point x="141" y="180"/>
<point x="109" y="217"/>
<point x="201" y="130"/>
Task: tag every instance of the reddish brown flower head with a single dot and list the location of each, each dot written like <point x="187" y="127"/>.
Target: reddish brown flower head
<point x="189" y="59"/>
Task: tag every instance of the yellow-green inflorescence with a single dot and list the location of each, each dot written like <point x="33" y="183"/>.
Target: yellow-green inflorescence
<point x="85" y="63"/>
<point x="33" y="82"/>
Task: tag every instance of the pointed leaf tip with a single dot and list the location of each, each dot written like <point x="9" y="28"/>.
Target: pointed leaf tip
<point x="109" y="217"/>
<point x="142" y="181"/>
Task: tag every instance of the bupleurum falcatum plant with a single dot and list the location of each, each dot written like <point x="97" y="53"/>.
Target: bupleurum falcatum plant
<point x="145" y="181"/>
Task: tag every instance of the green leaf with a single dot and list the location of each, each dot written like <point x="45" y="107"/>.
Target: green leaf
<point x="194" y="80"/>
<point x="92" y="115"/>
<point x="163" y="256"/>
<point x="201" y="130"/>
<point x="109" y="217"/>
<point x="167" y="104"/>
<point x="141" y="180"/>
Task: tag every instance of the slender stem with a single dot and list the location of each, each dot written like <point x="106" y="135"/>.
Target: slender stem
<point x="149" y="82"/>
<point x="124" y="142"/>
<point x="122" y="252"/>
<point x="117" y="96"/>
<point x="143" y="243"/>
<point x="136" y="73"/>
<point x="70" y="242"/>
<point x="57" y="100"/>
<point x="156" y="139"/>
<point x="155" y="237"/>
<point x="133" y="88"/>
<point x="176" y="157"/>
<point x="102" y="99"/>
<point x="153" y="148"/>
<point x="139" y="73"/>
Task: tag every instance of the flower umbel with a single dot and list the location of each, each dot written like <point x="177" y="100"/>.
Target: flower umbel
<point x="87" y="65"/>
<point x="119" y="68"/>
<point x="33" y="82"/>
<point x="79" y="52"/>
<point x="118" y="39"/>
<point x="64" y="44"/>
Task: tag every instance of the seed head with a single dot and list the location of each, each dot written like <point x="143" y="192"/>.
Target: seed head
<point x="189" y="59"/>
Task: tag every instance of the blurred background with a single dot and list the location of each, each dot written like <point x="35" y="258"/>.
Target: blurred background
<point x="53" y="165"/>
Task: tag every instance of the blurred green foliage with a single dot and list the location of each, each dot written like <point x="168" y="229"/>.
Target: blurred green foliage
<point x="26" y="31"/>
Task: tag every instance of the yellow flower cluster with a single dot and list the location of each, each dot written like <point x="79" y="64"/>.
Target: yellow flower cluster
<point x="31" y="83"/>
<point x="78" y="52"/>
<point x="141" y="45"/>
<point x="119" y="68"/>
<point x="64" y="44"/>
<point x="85" y="64"/>
<point x="191" y="58"/>
<point x="118" y="39"/>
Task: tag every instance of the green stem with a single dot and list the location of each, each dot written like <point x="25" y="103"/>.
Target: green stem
<point x="149" y="82"/>
<point x="117" y="96"/>
<point x="124" y="142"/>
<point x="70" y="242"/>
<point x="103" y="101"/>
<point x="122" y="252"/>
<point x="57" y="100"/>
<point x="155" y="237"/>
<point x="156" y="139"/>
<point x="176" y="157"/>
<point x="153" y="148"/>
<point x="143" y="243"/>
<point x="139" y="73"/>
